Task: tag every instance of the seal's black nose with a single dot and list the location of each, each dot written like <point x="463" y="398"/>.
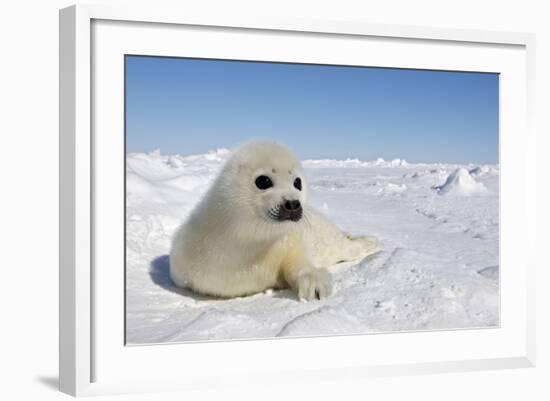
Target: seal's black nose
<point x="292" y="205"/>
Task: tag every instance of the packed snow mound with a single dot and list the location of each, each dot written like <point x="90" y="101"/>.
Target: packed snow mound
<point x="391" y="188"/>
<point x="155" y="165"/>
<point x="170" y="179"/>
<point x="460" y="182"/>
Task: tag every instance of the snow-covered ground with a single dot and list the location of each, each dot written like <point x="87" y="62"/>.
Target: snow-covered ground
<point x="438" y="224"/>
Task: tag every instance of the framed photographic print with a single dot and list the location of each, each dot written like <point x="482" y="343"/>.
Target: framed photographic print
<point x="354" y="198"/>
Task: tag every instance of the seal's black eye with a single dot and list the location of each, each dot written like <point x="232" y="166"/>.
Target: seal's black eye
<point x="298" y="184"/>
<point x="264" y="182"/>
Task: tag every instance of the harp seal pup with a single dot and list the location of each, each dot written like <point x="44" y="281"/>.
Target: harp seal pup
<point x="253" y="230"/>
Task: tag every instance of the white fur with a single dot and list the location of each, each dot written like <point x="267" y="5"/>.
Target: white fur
<point x="229" y="246"/>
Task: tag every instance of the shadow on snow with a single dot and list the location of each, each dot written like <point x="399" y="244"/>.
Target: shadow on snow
<point x="159" y="272"/>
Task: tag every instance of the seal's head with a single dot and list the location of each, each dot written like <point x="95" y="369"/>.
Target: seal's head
<point x="265" y="182"/>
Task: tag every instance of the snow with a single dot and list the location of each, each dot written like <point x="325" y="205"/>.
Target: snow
<point x="439" y="268"/>
<point x="354" y="163"/>
<point x="461" y="183"/>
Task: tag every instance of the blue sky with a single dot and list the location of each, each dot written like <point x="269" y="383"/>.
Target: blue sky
<point x="189" y="106"/>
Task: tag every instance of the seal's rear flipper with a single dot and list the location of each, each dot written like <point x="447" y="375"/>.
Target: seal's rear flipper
<point x="368" y="245"/>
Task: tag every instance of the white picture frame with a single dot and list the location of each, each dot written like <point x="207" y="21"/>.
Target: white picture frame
<point x="93" y="357"/>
